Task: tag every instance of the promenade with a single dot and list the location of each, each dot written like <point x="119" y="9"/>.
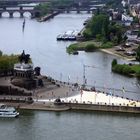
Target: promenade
<point x="72" y="98"/>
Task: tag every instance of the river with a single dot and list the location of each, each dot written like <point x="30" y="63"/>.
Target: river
<point x="35" y="125"/>
<point x="39" y="40"/>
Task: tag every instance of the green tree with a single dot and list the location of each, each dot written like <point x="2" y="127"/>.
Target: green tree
<point x="90" y="48"/>
<point x="99" y="25"/>
<point x="114" y="62"/>
<point x="0" y="53"/>
<point x="116" y="32"/>
<point x="138" y="54"/>
<point x="44" y="8"/>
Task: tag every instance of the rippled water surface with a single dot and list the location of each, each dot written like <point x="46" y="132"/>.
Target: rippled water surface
<point x="41" y="125"/>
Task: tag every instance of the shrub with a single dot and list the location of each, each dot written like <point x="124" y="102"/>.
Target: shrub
<point x="118" y="68"/>
<point x="72" y="48"/>
<point x="87" y="34"/>
<point x="126" y="70"/>
<point x="0" y="53"/>
<point x="114" y="62"/>
<point x="123" y="69"/>
<point x="90" y="47"/>
<point x="138" y="73"/>
<point x="107" y="45"/>
<point x="99" y="37"/>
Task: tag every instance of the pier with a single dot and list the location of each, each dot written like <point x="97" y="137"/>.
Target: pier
<point x="47" y="17"/>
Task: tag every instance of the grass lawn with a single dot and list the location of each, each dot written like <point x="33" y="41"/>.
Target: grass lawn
<point x="81" y="46"/>
<point x="136" y="68"/>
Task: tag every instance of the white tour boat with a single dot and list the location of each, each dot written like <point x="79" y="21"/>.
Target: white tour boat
<point x="6" y="111"/>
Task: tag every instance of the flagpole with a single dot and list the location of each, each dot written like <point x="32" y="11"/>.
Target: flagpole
<point x="84" y="78"/>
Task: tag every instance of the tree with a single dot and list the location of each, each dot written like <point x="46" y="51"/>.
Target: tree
<point x="44" y="8"/>
<point x="0" y="53"/>
<point x="138" y="54"/>
<point x="116" y="33"/>
<point x="99" y="25"/>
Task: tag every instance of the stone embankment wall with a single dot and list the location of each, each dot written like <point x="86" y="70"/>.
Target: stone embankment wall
<point x="49" y="16"/>
<point x="8" y="90"/>
<point x="105" y="108"/>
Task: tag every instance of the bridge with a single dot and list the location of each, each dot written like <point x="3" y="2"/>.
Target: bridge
<point x="20" y="10"/>
<point x="38" y="1"/>
<point x="78" y="10"/>
<point x="35" y="13"/>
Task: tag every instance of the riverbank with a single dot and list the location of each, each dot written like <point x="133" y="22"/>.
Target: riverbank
<point x="73" y="103"/>
<point x="113" y="52"/>
<point x="72" y="98"/>
<point x="81" y="46"/>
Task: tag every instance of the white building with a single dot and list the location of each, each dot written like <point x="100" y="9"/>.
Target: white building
<point x="127" y="19"/>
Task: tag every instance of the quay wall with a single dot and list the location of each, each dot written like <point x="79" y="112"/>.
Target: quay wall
<point x="73" y="106"/>
<point x="49" y="16"/>
<point x="105" y="108"/>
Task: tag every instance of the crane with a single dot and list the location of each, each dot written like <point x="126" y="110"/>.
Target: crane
<point x="84" y="73"/>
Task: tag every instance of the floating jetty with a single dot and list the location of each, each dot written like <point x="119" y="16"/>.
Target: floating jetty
<point x="68" y="35"/>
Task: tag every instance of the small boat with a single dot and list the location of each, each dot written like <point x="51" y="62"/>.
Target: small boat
<point x="75" y="53"/>
<point x="6" y="111"/>
<point x="59" y="37"/>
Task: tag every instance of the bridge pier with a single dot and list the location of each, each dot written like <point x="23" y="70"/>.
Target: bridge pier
<point x="78" y="11"/>
<point x="21" y="8"/>
<point x="4" y="8"/>
<point x="11" y="15"/>
<point x="37" y="14"/>
<point x="32" y="15"/>
<point x="21" y="15"/>
<point x="68" y="11"/>
<point x="88" y="11"/>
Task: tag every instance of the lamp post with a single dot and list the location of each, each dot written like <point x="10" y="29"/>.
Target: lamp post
<point x="61" y="77"/>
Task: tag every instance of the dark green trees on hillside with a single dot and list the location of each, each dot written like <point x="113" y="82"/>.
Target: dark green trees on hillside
<point x="138" y="54"/>
<point x="97" y="26"/>
<point x="101" y="28"/>
<point x="7" y="62"/>
<point x="44" y="8"/>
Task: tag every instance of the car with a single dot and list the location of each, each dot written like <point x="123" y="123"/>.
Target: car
<point x="120" y="49"/>
<point x="130" y="53"/>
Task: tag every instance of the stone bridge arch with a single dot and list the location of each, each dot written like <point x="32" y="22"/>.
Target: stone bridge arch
<point x="34" y="13"/>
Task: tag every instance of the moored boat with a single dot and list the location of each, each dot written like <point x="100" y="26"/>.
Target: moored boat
<point x="68" y="36"/>
<point x="6" y="111"/>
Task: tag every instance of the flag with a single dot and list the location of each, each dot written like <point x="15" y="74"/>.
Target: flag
<point x="81" y="92"/>
<point x="69" y="77"/>
<point x="123" y="90"/>
<point x="110" y="93"/>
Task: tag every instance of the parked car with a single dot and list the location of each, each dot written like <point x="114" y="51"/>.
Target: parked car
<point x="130" y="53"/>
<point x="120" y="49"/>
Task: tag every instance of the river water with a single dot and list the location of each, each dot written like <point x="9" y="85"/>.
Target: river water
<point x="35" y="125"/>
<point x="39" y="40"/>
